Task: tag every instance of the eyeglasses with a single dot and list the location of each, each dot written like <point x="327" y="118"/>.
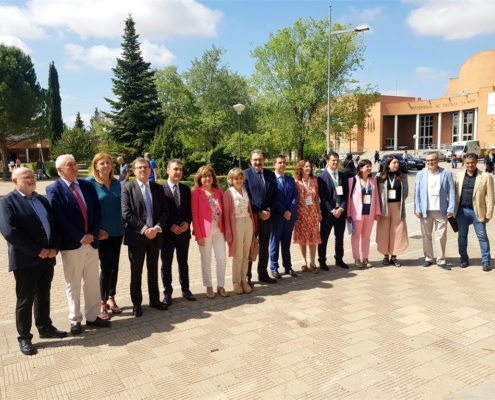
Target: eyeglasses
<point x="434" y="160"/>
<point x="141" y="167"/>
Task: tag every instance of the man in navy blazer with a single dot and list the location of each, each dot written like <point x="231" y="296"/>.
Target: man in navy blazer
<point x="260" y="185"/>
<point x="176" y="232"/>
<point x="284" y="217"/>
<point x="333" y="190"/>
<point x="78" y="213"/>
<point x="145" y="212"/>
<point x="28" y="225"/>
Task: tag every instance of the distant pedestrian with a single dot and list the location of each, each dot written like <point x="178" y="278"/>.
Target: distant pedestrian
<point x="349" y="167"/>
<point x="124" y="172"/>
<point x="453" y="160"/>
<point x="154" y="170"/>
<point x="18" y="163"/>
<point x="377" y="157"/>
<point x="489" y="161"/>
<point x="323" y="161"/>
<point x="40" y="166"/>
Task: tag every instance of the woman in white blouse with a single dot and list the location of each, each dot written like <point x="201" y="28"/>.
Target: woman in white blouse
<point x="239" y="228"/>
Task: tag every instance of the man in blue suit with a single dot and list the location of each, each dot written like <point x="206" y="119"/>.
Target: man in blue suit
<point x="260" y="185"/>
<point x="284" y="217"/>
<point x="28" y="225"/>
<point x="78" y="213"/>
<point x="434" y="202"/>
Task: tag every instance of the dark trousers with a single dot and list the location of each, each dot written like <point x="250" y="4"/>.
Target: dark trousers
<point x="167" y="255"/>
<point x="32" y="286"/>
<point x="137" y="254"/>
<point x="264" y="231"/>
<point x="281" y="238"/>
<point x="327" y="223"/>
<point x="109" y="254"/>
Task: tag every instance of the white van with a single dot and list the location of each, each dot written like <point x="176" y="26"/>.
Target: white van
<point x="465" y="147"/>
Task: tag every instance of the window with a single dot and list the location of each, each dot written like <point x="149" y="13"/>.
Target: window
<point x="467" y="126"/>
<point x="455" y="127"/>
<point x="389" y="142"/>
<point x="425" y="131"/>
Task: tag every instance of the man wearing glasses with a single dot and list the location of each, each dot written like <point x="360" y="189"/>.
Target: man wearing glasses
<point x="434" y="202"/>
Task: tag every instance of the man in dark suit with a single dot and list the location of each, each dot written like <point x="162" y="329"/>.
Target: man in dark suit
<point x="28" y="225"/>
<point x="284" y="217"/>
<point x="333" y="191"/>
<point x="176" y="232"/>
<point x="145" y="213"/>
<point x="77" y="211"/>
<point x="260" y="185"/>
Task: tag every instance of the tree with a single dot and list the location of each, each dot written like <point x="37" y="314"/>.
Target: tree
<point x="54" y="106"/>
<point x="77" y="142"/>
<point x="21" y="98"/>
<point x="136" y="114"/>
<point x="79" y="123"/>
<point x="291" y="72"/>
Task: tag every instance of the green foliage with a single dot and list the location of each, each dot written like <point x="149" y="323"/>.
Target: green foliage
<point x="51" y="170"/>
<point x="191" y="166"/>
<point x="76" y="142"/>
<point x="136" y="114"/>
<point x="79" y="123"/>
<point x="54" y="106"/>
<point x="222" y="162"/>
<point x="313" y="151"/>
<point x="166" y="146"/>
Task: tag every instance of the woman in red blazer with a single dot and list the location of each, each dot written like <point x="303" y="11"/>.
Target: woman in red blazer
<point x="208" y="227"/>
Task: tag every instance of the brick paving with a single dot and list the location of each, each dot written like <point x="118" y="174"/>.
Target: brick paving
<point x="385" y="333"/>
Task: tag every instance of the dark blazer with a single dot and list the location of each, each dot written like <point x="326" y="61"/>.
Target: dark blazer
<point x="134" y="212"/>
<point x="177" y="216"/>
<point x="285" y="200"/>
<point x="262" y="199"/>
<point x="68" y="214"/>
<point x="326" y="191"/>
<point x="24" y="231"/>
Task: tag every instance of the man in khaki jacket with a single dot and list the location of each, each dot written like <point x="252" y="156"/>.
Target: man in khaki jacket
<point x="475" y="199"/>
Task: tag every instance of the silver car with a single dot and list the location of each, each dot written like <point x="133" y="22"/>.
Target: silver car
<point x="440" y="155"/>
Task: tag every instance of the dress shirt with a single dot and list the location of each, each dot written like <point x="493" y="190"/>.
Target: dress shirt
<point x="468" y="183"/>
<point x="433" y="191"/>
<point x="171" y="186"/>
<point x="78" y="189"/>
<point x="40" y="211"/>
<point x="241" y="203"/>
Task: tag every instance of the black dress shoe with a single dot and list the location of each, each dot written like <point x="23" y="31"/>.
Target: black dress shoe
<point x="159" y="305"/>
<point x="464" y="264"/>
<point x="276" y="274"/>
<point x="100" y="323"/>
<point x="137" y="311"/>
<point x="27" y="347"/>
<point x="167" y="299"/>
<point x="324" y="267"/>
<point x="292" y="273"/>
<point x="248" y="280"/>
<point x="51" y="332"/>
<point x="76" y="329"/>
<point x="342" y="264"/>
<point x="427" y="263"/>
<point x="487" y="267"/>
<point x="267" y="279"/>
<point x="188" y="295"/>
<point x="444" y="266"/>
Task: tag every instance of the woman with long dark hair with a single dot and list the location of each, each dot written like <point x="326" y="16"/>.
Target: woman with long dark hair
<point x="391" y="231"/>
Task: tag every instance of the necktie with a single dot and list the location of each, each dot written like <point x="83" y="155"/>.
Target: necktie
<point x="260" y="175"/>
<point x="81" y="205"/>
<point x="176" y="197"/>
<point x="282" y="182"/>
<point x="336" y="183"/>
<point x="149" y="207"/>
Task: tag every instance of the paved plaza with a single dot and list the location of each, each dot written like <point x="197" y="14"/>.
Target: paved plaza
<point x="380" y="333"/>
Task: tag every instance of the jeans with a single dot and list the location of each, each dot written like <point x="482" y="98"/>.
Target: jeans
<point x="466" y="217"/>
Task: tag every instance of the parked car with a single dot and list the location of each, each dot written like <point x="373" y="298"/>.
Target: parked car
<point x="440" y="155"/>
<point x="415" y="163"/>
<point x="412" y="162"/>
<point x="403" y="166"/>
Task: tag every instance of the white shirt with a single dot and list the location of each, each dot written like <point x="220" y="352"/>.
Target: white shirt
<point x="241" y="203"/>
<point x="433" y="191"/>
<point x="171" y="186"/>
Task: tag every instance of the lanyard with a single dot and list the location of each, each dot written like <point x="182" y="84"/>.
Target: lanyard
<point x="367" y="186"/>
<point x="308" y="186"/>
<point x="392" y="181"/>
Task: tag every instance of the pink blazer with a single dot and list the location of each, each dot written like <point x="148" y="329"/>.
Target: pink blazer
<point x="201" y="212"/>
<point x="355" y="202"/>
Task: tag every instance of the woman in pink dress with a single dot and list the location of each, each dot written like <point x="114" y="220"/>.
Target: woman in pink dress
<point x="306" y="229"/>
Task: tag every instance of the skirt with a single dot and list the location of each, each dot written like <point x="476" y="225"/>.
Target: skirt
<point x="391" y="232"/>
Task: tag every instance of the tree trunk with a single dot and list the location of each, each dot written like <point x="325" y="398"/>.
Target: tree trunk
<point x="5" y="161"/>
<point x="300" y="149"/>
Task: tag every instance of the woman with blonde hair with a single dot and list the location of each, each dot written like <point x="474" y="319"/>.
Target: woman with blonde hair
<point x="208" y="227"/>
<point x="111" y="232"/>
<point x="239" y="228"/>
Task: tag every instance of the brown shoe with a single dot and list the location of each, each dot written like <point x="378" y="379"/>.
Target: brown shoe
<point x="246" y="287"/>
<point x="304" y="268"/>
<point x="314" y="268"/>
<point x="221" y="291"/>
<point x="238" y="288"/>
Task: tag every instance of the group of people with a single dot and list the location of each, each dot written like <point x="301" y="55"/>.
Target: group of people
<point x="258" y="217"/>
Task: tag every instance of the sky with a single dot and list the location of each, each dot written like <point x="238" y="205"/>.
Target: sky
<point x="412" y="48"/>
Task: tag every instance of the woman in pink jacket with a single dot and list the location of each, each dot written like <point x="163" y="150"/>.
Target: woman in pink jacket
<point x="239" y="228"/>
<point x="363" y="207"/>
<point x="208" y="228"/>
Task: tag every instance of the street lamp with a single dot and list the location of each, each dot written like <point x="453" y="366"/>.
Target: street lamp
<point x="239" y="108"/>
<point x="359" y="28"/>
<point x="40" y="152"/>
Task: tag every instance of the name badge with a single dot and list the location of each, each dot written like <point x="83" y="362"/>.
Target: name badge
<point x="366" y="199"/>
<point x="339" y="190"/>
<point x="433" y="191"/>
<point x="309" y="201"/>
<point x="392" y="194"/>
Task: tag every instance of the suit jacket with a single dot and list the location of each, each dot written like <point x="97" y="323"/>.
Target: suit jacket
<point x="447" y="192"/>
<point x="177" y="216"/>
<point x="24" y="232"/>
<point x="68" y="214"/>
<point x="355" y="202"/>
<point x="327" y="193"/>
<point x="201" y="212"/>
<point x="134" y="212"/>
<point x="383" y="195"/>
<point x="262" y="198"/>
<point x="483" y="194"/>
<point x="285" y="200"/>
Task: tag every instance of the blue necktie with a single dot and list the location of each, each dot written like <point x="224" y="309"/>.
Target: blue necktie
<point x="149" y="208"/>
<point x="282" y="182"/>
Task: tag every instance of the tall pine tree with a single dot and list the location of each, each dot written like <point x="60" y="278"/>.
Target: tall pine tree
<point x="79" y="123"/>
<point x="136" y="114"/>
<point x="54" y="106"/>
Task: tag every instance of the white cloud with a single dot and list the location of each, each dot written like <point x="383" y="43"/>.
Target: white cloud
<point x="100" y="57"/>
<point x="156" y="53"/>
<point x="452" y="19"/>
<point x="428" y="73"/>
<point x="10" y="40"/>
<point x="70" y="66"/>
<point x="66" y="97"/>
<point x="105" y="18"/>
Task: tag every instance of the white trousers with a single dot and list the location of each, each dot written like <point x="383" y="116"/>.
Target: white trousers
<point x="82" y="264"/>
<point x="215" y="240"/>
<point x="434" y="231"/>
<point x="244" y="237"/>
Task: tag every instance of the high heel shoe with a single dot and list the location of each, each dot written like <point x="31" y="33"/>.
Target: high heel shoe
<point x="367" y="264"/>
<point x="246" y="287"/>
<point x="103" y="313"/>
<point x="209" y="293"/>
<point x="358" y="264"/>
<point x="314" y="268"/>
<point x="221" y="291"/>
<point x="238" y="288"/>
<point x="114" y="308"/>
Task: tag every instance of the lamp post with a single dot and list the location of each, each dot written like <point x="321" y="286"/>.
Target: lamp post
<point x="40" y="152"/>
<point x="359" y="28"/>
<point x="239" y="108"/>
